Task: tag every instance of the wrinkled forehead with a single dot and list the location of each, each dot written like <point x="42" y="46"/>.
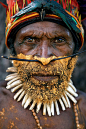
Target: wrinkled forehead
<point x="47" y="28"/>
<point x="44" y="25"/>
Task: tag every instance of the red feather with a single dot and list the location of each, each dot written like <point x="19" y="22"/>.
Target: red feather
<point x="20" y="3"/>
<point x="28" y="1"/>
<point x="5" y="6"/>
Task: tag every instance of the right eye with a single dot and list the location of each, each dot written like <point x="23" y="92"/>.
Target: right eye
<point x="29" y="42"/>
<point x="29" y="39"/>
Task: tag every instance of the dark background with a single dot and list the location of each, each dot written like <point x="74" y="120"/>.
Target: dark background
<point x="79" y="74"/>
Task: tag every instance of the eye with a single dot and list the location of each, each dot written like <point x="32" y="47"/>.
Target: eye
<point x="29" y="39"/>
<point x="59" y="40"/>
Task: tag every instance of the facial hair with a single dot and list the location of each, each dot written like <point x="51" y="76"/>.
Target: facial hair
<point x="45" y="91"/>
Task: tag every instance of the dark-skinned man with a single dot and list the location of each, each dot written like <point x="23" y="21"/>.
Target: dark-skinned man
<point x="42" y="36"/>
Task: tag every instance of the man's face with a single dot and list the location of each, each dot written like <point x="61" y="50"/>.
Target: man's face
<point x="44" y="39"/>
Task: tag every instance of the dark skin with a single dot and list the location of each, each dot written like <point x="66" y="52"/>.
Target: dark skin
<point x="43" y="39"/>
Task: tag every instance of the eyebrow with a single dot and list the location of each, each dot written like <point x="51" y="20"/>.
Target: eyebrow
<point x="39" y="34"/>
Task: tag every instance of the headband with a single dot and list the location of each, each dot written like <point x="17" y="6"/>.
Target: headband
<point x="21" y="11"/>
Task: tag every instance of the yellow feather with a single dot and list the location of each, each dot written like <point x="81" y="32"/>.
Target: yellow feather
<point x="14" y="9"/>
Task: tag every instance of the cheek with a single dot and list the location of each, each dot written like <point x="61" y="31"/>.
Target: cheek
<point x="64" y="50"/>
<point x="24" y="50"/>
<point x="20" y="49"/>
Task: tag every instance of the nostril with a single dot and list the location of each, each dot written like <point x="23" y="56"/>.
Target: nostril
<point x="44" y="61"/>
<point x="51" y="55"/>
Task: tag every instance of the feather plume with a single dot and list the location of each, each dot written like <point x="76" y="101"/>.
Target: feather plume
<point x="52" y="6"/>
<point x="20" y="3"/>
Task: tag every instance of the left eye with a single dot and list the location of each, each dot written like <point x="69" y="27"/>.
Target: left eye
<point x="59" y="40"/>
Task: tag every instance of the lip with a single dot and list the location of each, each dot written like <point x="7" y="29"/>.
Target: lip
<point x="45" y="78"/>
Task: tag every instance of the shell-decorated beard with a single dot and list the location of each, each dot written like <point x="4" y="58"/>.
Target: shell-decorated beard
<point x="43" y="94"/>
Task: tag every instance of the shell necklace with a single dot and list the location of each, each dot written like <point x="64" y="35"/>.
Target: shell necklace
<point x="15" y="85"/>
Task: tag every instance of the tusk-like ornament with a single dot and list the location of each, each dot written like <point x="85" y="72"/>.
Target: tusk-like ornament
<point x="72" y="86"/>
<point x="11" y="69"/>
<point x="27" y="102"/>
<point x="44" y="109"/>
<point x="17" y="94"/>
<point x="57" y="108"/>
<point x="69" y="89"/>
<point x="21" y="96"/>
<point x="71" y="97"/>
<point x="48" y="110"/>
<point x="16" y="88"/>
<point x="65" y="102"/>
<point x="13" y="80"/>
<point x="67" y="99"/>
<point x="16" y="83"/>
<point x="62" y="104"/>
<point x="38" y="107"/>
<point x="11" y="77"/>
<point x="52" y="108"/>
<point x="13" y="74"/>
<point x="24" y="99"/>
<point x="33" y="105"/>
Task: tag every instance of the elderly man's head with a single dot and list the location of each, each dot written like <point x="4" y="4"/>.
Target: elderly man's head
<point x="44" y="31"/>
<point x="49" y="11"/>
<point x="44" y="81"/>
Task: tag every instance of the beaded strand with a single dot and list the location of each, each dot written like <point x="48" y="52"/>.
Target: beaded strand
<point x="76" y="116"/>
<point x="36" y="119"/>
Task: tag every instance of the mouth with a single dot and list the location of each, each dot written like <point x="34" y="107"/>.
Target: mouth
<point x="45" y="78"/>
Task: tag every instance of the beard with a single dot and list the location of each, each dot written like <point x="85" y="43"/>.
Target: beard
<point x="45" y="91"/>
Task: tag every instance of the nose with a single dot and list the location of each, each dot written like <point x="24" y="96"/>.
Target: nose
<point x="44" y="49"/>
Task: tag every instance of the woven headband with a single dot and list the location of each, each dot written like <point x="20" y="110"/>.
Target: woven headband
<point x="25" y="10"/>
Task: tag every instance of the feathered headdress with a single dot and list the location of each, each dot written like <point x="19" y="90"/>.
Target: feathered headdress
<point x="20" y="11"/>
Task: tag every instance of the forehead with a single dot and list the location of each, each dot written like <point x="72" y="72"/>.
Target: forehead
<point x="43" y="27"/>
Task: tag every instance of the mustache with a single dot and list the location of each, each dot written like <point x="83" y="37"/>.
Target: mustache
<point x="37" y="69"/>
<point x="45" y="74"/>
<point x="18" y="59"/>
<point x="56" y="68"/>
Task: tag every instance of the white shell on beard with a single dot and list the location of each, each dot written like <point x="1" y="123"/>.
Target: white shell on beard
<point x="16" y="85"/>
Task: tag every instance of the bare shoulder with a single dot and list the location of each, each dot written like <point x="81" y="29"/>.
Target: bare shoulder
<point x="82" y="102"/>
<point x="3" y="88"/>
<point x="4" y="93"/>
<point x="3" y="84"/>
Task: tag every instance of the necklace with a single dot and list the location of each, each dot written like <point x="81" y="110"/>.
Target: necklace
<point x="16" y="85"/>
<point x="36" y="119"/>
<point x="76" y="116"/>
<point x="79" y="125"/>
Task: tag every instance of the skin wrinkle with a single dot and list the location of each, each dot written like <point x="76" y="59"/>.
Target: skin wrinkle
<point x="45" y="34"/>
